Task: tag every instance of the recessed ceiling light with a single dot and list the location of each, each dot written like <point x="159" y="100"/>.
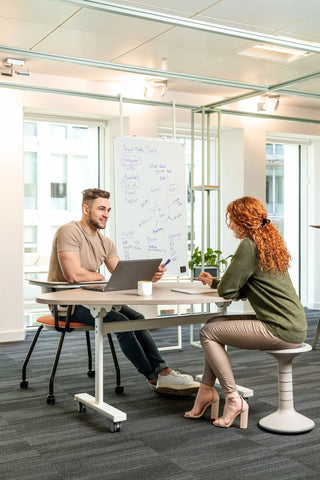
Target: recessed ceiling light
<point x="279" y="48"/>
<point x="278" y="53"/>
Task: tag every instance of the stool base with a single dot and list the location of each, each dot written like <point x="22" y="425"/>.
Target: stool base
<point x="289" y="421"/>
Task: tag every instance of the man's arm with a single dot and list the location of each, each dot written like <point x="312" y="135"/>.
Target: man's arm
<point x="72" y="270"/>
<point x="111" y="263"/>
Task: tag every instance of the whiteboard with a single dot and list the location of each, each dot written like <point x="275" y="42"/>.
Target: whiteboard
<point x="150" y="201"/>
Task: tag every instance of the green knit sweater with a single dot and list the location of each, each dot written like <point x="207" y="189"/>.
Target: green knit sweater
<point x="272" y="296"/>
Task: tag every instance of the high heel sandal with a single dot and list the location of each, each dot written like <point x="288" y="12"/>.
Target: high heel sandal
<point x="243" y="412"/>
<point x="214" y="405"/>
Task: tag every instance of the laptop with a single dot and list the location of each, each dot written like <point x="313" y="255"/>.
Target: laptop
<point x="127" y="274"/>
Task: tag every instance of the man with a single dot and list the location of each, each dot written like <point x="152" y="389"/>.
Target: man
<point x="78" y="251"/>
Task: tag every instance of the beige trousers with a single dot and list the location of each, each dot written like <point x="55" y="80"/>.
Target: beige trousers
<point x="242" y="331"/>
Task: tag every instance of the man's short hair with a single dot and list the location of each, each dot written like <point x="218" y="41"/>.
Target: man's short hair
<point x="91" y="194"/>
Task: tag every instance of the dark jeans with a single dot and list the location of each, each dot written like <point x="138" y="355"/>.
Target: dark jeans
<point x="139" y="346"/>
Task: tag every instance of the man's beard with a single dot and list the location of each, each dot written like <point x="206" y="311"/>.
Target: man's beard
<point x="96" y="224"/>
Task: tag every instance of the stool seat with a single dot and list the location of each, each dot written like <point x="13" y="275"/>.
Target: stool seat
<point x="304" y="347"/>
<point x="286" y="419"/>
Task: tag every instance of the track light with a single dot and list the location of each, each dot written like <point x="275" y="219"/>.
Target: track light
<point x="14" y="65"/>
<point x="152" y="85"/>
<point x="268" y="103"/>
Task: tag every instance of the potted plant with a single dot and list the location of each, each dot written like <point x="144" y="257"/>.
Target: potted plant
<point x="213" y="262"/>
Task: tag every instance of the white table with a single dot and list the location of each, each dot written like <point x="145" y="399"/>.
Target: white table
<point x="99" y="303"/>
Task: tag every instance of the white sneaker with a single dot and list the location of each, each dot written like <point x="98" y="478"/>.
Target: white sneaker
<point x="176" y="384"/>
<point x="151" y="386"/>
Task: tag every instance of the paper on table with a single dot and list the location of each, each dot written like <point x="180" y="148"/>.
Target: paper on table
<point x="194" y="291"/>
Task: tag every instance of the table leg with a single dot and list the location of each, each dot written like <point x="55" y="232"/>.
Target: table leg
<point x="116" y="416"/>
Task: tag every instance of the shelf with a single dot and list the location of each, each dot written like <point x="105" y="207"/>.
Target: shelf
<point x="205" y="187"/>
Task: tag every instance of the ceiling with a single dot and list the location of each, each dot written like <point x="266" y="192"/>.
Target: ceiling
<point x="192" y="57"/>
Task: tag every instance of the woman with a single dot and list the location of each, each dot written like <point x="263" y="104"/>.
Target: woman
<point x="258" y="271"/>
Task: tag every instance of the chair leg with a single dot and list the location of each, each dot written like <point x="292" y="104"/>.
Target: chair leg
<point x="316" y="336"/>
<point x="90" y="372"/>
<point x="118" y="389"/>
<point x="51" y="396"/>
<point x="24" y="382"/>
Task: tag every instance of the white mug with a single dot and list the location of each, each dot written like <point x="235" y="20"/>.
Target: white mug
<point x="144" y="288"/>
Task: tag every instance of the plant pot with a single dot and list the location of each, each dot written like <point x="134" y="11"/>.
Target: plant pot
<point x="212" y="270"/>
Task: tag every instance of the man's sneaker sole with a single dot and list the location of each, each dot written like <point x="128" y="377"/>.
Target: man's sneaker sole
<point x="174" y="391"/>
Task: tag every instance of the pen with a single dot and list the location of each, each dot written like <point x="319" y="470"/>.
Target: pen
<point x="168" y="261"/>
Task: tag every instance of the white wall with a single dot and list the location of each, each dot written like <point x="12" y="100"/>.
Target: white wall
<point x="243" y="168"/>
<point x="11" y="201"/>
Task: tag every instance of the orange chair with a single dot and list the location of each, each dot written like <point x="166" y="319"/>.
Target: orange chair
<point x="54" y="322"/>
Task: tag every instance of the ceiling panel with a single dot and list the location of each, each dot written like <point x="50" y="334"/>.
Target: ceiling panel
<point x="48" y="12"/>
<point x="244" y="69"/>
<point x="273" y="14"/>
<point x="280" y="74"/>
<point x="198" y="41"/>
<point x="312" y="86"/>
<point x="164" y="57"/>
<point x="307" y="29"/>
<point x="94" y="21"/>
<point x="70" y="42"/>
<point x="21" y="34"/>
<point x="82" y="71"/>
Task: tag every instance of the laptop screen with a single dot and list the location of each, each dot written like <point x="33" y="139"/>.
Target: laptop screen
<point x="128" y="273"/>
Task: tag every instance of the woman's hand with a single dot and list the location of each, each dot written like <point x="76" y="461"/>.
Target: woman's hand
<point x="205" y="278"/>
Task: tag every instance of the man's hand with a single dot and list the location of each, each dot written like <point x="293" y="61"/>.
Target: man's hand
<point x="159" y="273"/>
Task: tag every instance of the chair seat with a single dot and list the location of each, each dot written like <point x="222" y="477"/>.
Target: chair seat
<point x="48" y="320"/>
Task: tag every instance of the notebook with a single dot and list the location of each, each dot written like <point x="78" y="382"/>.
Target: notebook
<point x="127" y="274"/>
<point x="194" y="291"/>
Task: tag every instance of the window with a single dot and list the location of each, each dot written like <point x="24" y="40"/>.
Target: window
<point x="61" y="159"/>
<point x="286" y="184"/>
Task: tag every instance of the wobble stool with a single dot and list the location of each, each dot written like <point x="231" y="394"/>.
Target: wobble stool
<point x="286" y="419"/>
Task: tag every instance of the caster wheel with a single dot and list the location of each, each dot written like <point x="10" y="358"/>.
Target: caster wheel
<point x="81" y="408"/>
<point x="119" y="390"/>
<point x="24" y="384"/>
<point x="91" y="373"/>
<point x="51" y="399"/>
<point x="115" y="427"/>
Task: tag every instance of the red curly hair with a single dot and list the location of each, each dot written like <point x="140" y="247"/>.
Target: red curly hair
<point x="247" y="217"/>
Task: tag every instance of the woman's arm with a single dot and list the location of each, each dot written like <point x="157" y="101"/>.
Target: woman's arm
<point x="242" y="266"/>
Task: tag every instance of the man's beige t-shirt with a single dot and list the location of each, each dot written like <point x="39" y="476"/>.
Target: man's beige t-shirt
<point x="94" y="249"/>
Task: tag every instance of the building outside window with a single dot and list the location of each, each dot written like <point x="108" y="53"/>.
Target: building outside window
<point x="275" y="184"/>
